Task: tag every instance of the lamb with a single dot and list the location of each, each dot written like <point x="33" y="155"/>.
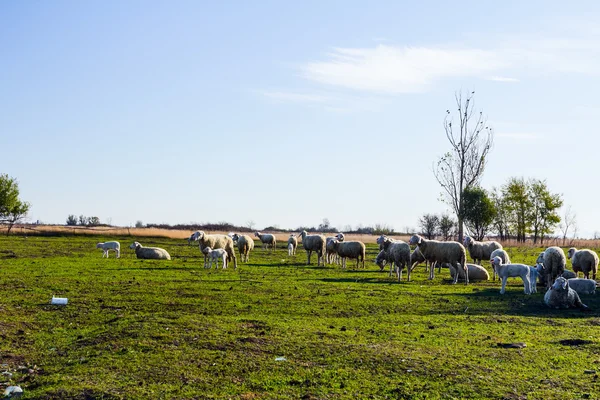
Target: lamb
<point x="292" y="244"/>
<point x="398" y="255"/>
<point x="216" y="242"/>
<point x="582" y="286"/>
<point x="560" y="295"/>
<point x="442" y="252"/>
<point x="554" y="261"/>
<point x="480" y="251"/>
<point x="214" y="256"/>
<point x="584" y="260"/>
<point x="503" y="255"/>
<point x="149" y="253"/>
<point x="476" y="272"/>
<point x="267" y="240"/>
<point x="106" y="246"/>
<point x="350" y="250"/>
<point x="313" y="243"/>
<point x="244" y="244"/>
<point x="506" y="271"/>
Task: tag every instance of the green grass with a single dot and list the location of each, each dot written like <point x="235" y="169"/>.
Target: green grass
<point x="139" y="329"/>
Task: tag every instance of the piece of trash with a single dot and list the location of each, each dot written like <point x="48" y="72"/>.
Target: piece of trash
<point x="59" y="301"/>
<point x="13" y="392"/>
<point x="280" y="359"/>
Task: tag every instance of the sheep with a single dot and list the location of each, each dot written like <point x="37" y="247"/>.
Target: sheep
<point x="331" y="256"/>
<point x="584" y="260"/>
<point x="193" y="237"/>
<point x="149" y="253"/>
<point x="313" y="243"/>
<point x="398" y="255"/>
<point x="244" y="244"/>
<point x="292" y="244"/>
<point x="106" y="246"/>
<point x="568" y="274"/>
<point x="506" y="271"/>
<point x="476" y="272"/>
<point x="582" y="286"/>
<point x="442" y="252"/>
<point x="216" y="242"/>
<point x="480" y="251"/>
<point x="350" y="250"/>
<point x="214" y="256"/>
<point x="560" y="295"/>
<point x="267" y="239"/>
<point x="554" y="261"/>
<point x="533" y="274"/>
<point x="503" y="255"/>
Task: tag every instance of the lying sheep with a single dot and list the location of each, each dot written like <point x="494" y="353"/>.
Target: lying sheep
<point x="214" y="256"/>
<point x="216" y="242"/>
<point x="506" y="271"/>
<point x="554" y="262"/>
<point x="584" y="260"/>
<point x="582" y="286"/>
<point x="245" y="244"/>
<point x="149" y="253"/>
<point x="560" y="295"/>
<point x="503" y="255"/>
<point x="106" y="246"/>
<point x="350" y="250"/>
<point x="480" y="251"/>
<point x="314" y="243"/>
<point x="476" y="272"/>
<point x="442" y="252"/>
<point x="267" y="240"/>
<point x="568" y="274"/>
<point x="292" y="244"/>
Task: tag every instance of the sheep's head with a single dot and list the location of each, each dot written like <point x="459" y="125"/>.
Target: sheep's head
<point x="257" y="234"/>
<point x="540" y="259"/>
<point x="134" y="245"/>
<point x="380" y="259"/>
<point x="467" y="241"/>
<point x="303" y="234"/>
<point x="496" y="261"/>
<point x="381" y="239"/>
<point x="540" y="268"/>
<point x="99" y="245"/>
<point x="340" y="236"/>
<point x="571" y="252"/>
<point x="415" y="240"/>
<point x="206" y="250"/>
<point x="235" y="237"/>
<point x="560" y="284"/>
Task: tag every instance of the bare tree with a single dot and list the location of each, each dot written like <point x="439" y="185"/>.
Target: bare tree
<point x="569" y="221"/>
<point x="463" y="166"/>
<point x="250" y="225"/>
<point x="429" y="224"/>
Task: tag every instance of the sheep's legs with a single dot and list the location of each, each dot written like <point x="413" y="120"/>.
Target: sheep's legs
<point x="504" y="278"/>
<point x="308" y="253"/>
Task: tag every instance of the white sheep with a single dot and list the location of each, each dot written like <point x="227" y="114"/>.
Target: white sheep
<point x="194" y="237"/>
<point x="567" y="274"/>
<point x="331" y="257"/>
<point x="149" y="253"/>
<point x="397" y="253"/>
<point x="480" y="251"/>
<point x="560" y="295"/>
<point x="352" y="249"/>
<point x="216" y="242"/>
<point x="267" y="240"/>
<point x="476" y="272"/>
<point x="554" y="262"/>
<point x="106" y="246"/>
<point x="442" y="252"/>
<point x="244" y="243"/>
<point x="214" y="256"/>
<point x="506" y="271"/>
<point x="582" y="285"/>
<point x="533" y="274"/>
<point x="584" y="260"/>
<point x="314" y="243"/>
<point x="292" y="244"/>
<point x="503" y="255"/>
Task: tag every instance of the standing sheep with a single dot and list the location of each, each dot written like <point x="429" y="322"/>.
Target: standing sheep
<point x="216" y="242"/>
<point x="313" y="243"/>
<point x="149" y="253"/>
<point x="554" y="262"/>
<point x="506" y="271"/>
<point x="480" y="251"/>
<point x="350" y="250"/>
<point x="293" y="242"/>
<point x="398" y="255"/>
<point x="331" y="257"/>
<point x="584" y="260"/>
<point x="106" y="246"/>
<point x="442" y="252"/>
<point x="267" y="240"/>
<point x="503" y="256"/>
<point x="560" y="295"/>
<point x="214" y="256"/>
<point x="245" y="244"/>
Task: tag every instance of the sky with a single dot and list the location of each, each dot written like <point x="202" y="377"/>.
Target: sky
<point x="286" y="113"/>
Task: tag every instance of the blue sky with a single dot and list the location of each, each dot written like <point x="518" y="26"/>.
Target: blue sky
<point x="287" y="113"/>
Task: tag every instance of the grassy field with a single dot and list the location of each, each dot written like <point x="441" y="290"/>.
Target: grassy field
<point x="276" y="329"/>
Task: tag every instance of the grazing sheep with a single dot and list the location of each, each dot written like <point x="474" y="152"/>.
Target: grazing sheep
<point x="442" y="252"/>
<point x="560" y="295"/>
<point x="244" y="244"/>
<point x="480" y="251"/>
<point x="503" y="255"/>
<point x="106" y="246"/>
<point x="398" y="255"/>
<point x="583" y="286"/>
<point x="193" y="237"/>
<point x="293" y="242"/>
<point x="313" y="243"/>
<point x="350" y="250"/>
<point x="216" y="242"/>
<point x="214" y="256"/>
<point x="554" y="262"/>
<point x="149" y="253"/>
<point x="267" y="240"/>
<point x="584" y="260"/>
<point x="506" y="271"/>
<point x="476" y="272"/>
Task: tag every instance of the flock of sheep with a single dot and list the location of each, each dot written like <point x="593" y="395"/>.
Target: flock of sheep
<point x="563" y="286"/>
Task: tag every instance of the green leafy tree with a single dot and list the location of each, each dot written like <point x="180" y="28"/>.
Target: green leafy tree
<point x="94" y="221"/>
<point x="518" y="205"/>
<point x="71" y="220"/>
<point x="83" y="220"/>
<point x="479" y="211"/>
<point x="503" y="218"/>
<point x="12" y="209"/>
<point x="543" y="213"/>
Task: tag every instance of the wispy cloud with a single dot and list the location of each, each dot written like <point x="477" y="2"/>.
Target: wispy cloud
<point x="338" y="103"/>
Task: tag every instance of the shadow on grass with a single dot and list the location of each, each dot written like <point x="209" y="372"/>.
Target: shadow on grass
<point x="362" y="280"/>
